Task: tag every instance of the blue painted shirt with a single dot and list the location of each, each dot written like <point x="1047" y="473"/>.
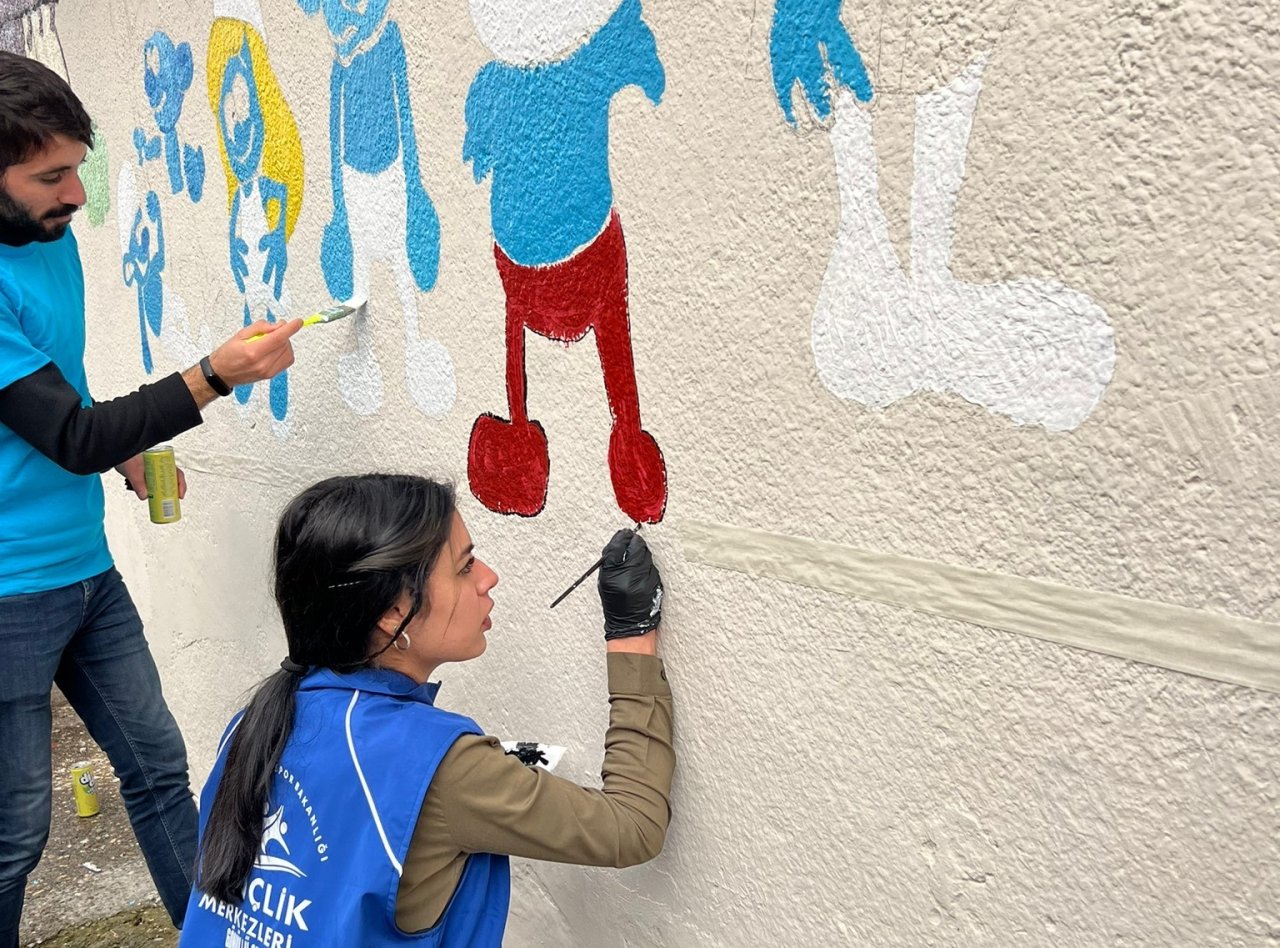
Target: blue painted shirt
<point x="543" y="133"/>
<point x="51" y="521"/>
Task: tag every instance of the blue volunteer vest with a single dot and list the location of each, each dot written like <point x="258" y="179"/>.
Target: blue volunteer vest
<point x="340" y="816"/>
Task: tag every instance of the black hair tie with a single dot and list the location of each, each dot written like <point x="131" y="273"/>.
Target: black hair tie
<point x="292" y="667"/>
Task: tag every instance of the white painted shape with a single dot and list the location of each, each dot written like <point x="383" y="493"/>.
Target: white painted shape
<point x="1031" y="349"/>
<point x="377" y="211"/>
<point x="246" y="10"/>
<point x="259" y="295"/>
<point x="524" y="32"/>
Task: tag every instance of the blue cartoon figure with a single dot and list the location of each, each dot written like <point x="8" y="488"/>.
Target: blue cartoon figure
<point x="538" y="125"/>
<point x="144" y="269"/>
<point x="262" y="158"/>
<point x="166" y="79"/>
<point x="381" y="211"/>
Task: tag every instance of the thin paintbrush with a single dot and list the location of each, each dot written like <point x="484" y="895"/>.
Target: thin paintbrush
<point x="581" y="579"/>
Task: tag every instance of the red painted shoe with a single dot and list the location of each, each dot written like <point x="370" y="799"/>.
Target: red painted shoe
<point x="639" y="474"/>
<point x="508" y="465"/>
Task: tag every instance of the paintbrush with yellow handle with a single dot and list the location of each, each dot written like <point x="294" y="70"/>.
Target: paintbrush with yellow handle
<point x="338" y="311"/>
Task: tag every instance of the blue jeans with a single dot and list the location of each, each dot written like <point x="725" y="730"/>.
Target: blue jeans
<point x="87" y="638"/>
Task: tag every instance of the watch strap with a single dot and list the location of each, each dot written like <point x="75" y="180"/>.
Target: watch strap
<point x="213" y="378"/>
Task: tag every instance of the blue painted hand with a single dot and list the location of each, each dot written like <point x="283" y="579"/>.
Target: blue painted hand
<point x="808" y="44"/>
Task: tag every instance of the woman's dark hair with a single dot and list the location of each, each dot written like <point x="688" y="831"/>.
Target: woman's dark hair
<point x="35" y="104"/>
<point x="345" y="551"/>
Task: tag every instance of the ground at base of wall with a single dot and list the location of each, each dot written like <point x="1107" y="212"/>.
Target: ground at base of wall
<point x="91" y="887"/>
<point x="137" y="928"/>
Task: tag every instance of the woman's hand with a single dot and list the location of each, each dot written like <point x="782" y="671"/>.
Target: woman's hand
<point x="630" y="589"/>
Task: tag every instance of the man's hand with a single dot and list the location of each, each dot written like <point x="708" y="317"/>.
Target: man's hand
<point x="135" y="479"/>
<point x="243" y="359"/>
<point x="239" y="361"/>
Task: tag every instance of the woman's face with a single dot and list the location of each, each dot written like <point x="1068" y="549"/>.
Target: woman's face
<point x="457" y="603"/>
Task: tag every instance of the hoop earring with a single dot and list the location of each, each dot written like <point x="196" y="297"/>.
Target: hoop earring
<point x="404" y="636"/>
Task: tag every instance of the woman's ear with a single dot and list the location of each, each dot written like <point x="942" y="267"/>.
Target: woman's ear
<point x="392" y="618"/>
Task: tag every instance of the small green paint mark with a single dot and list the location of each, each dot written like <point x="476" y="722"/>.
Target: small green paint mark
<point x="96" y="178"/>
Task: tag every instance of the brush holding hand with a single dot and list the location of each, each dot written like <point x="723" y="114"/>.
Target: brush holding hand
<point x="630" y="587"/>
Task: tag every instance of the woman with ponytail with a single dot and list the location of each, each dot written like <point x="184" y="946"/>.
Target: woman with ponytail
<point x="344" y="807"/>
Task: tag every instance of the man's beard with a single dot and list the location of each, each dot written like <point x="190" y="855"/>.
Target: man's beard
<point x="18" y="227"/>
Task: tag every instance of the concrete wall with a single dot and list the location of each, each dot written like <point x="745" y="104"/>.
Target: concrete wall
<point x="963" y="397"/>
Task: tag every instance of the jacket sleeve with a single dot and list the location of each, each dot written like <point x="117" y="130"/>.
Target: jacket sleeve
<point x="45" y="410"/>
<point x="483" y="800"/>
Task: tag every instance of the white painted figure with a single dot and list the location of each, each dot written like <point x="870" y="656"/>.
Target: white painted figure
<point x="1031" y="349"/>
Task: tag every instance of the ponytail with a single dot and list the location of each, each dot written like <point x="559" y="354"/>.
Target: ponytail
<point x="233" y="832"/>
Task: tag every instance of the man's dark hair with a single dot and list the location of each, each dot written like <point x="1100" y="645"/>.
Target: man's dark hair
<point x="35" y="104"/>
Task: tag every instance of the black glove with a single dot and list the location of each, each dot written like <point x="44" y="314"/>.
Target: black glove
<point x="630" y="587"/>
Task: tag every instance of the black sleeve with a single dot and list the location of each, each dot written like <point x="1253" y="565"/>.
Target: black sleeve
<point x="44" y="410"/>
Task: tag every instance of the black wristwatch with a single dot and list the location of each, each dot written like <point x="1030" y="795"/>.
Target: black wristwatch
<point x="213" y="378"/>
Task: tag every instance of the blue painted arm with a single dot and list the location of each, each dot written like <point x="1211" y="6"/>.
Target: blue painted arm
<point x="335" y="245"/>
<point x="133" y="257"/>
<point x="476" y="146"/>
<point x="336" y="76"/>
<point x="632" y="42"/>
<point x="400" y="85"/>
<point x="239" y="249"/>
<point x="309" y="7"/>
<point x="273" y="242"/>
<point x="422" y="236"/>
<point x="153" y="212"/>
<point x="806" y="38"/>
<point x="146" y="146"/>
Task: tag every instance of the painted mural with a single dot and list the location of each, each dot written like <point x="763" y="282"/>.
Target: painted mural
<point x="167" y="76"/>
<point x="381" y="210"/>
<point x="538" y="126"/>
<point x="162" y="314"/>
<point x="1033" y="350"/>
<point x="262" y="160"/>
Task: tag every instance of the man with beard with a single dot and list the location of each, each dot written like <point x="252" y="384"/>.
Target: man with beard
<point x="65" y="615"/>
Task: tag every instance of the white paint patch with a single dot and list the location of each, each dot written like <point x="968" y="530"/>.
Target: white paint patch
<point x="245" y="10"/>
<point x="377" y="212"/>
<point x="1195" y="641"/>
<point x="259" y="296"/>
<point x="1033" y="350"/>
<point x="524" y="32"/>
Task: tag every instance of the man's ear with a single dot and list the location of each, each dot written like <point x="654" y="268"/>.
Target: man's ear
<point x="392" y="618"/>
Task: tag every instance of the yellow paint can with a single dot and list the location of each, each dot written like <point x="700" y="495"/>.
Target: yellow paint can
<point x="85" y="789"/>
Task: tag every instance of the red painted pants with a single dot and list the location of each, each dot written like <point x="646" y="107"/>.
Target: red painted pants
<point x="507" y="461"/>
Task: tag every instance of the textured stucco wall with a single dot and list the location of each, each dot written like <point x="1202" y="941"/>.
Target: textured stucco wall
<point x="850" y="772"/>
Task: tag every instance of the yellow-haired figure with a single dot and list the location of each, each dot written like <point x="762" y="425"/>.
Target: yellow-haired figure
<point x="262" y="157"/>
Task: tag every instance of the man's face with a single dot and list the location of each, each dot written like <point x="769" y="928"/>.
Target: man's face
<point x="38" y="197"/>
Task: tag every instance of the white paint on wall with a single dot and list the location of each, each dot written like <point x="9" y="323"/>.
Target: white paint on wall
<point x="1031" y="349"/>
<point x="376" y="205"/>
<point x="523" y="32"/>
